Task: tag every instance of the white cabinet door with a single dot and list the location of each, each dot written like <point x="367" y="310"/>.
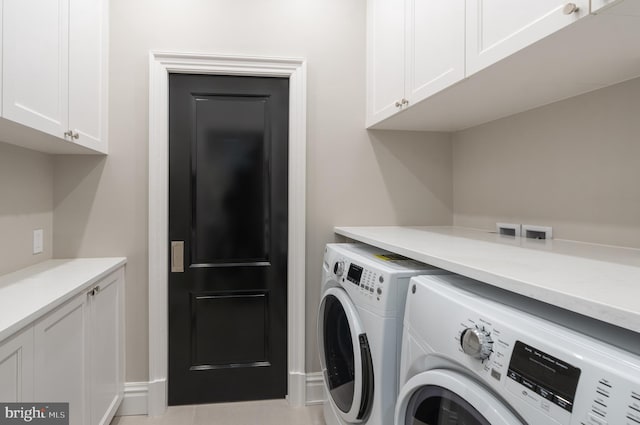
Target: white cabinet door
<point x="435" y="46"/>
<point x="499" y="28"/>
<point x="35" y="64"/>
<point x="60" y="368"/>
<point x="106" y="348"/>
<point x="88" y="72"/>
<point x="385" y="58"/>
<point x="596" y="5"/>
<point x="16" y="368"/>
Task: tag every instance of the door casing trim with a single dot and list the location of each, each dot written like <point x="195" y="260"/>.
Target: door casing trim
<point x="160" y="65"/>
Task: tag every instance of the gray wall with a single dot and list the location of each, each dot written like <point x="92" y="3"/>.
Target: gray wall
<point x="573" y="165"/>
<point x="26" y="204"/>
<point x="353" y="176"/>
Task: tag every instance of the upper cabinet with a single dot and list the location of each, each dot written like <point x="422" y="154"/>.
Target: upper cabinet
<point x="470" y="62"/>
<point x="599" y="5"/>
<point x="499" y="28"/>
<point x="54" y="75"/>
<point x="415" y="48"/>
<point x="434" y="37"/>
<point x="385" y="58"/>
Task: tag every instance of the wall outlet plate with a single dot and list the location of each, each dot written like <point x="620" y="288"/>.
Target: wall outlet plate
<point x="508" y="229"/>
<point x="532" y="231"/>
<point x="38" y="241"/>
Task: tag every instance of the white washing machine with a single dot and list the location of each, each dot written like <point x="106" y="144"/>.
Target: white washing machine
<point x="473" y="354"/>
<point x="359" y="330"/>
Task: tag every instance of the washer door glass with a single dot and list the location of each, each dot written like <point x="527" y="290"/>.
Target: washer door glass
<point x="434" y="405"/>
<point x="446" y="397"/>
<point x="345" y="356"/>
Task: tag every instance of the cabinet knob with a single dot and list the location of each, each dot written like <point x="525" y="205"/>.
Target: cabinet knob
<point x="398" y="104"/>
<point x="404" y="101"/>
<point x="71" y="134"/>
<point x="570" y="8"/>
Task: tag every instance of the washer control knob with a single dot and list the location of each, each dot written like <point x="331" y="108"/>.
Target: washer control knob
<point x="379" y="290"/>
<point x="477" y="343"/>
<point x="338" y="268"/>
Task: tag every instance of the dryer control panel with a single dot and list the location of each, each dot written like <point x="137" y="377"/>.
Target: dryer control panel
<point x="375" y="279"/>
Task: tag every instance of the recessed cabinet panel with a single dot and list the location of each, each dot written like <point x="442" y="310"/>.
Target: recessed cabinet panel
<point x="499" y="28"/>
<point x="87" y="69"/>
<point x="106" y="346"/>
<point x="385" y="58"/>
<point x="60" y="353"/>
<point x="216" y="345"/>
<point x="35" y="61"/>
<point x="16" y="368"/>
<point x="231" y="180"/>
<point x="435" y="46"/>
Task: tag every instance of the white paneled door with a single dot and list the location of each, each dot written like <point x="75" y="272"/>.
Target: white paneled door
<point x="434" y="46"/>
<point x="35" y="61"/>
<point x="385" y="57"/>
<point x="499" y="28"/>
<point x="60" y="368"/>
<point x="16" y="368"/>
<point x="87" y="72"/>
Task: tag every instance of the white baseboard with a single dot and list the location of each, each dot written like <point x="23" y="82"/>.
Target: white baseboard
<point x="136" y="395"/>
<point x="135" y="400"/>
<point x="314" y="389"/>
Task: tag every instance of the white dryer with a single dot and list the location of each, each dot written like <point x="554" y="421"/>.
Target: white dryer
<point x="473" y="354"/>
<point x="359" y="330"/>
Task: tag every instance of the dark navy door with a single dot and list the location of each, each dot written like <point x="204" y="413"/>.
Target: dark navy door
<point x="228" y="144"/>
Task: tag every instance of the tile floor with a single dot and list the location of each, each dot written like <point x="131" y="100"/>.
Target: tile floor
<point x="269" y="412"/>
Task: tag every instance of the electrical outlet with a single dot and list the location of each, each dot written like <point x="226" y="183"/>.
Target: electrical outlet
<point x="537" y="232"/>
<point x="508" y="229"/>
<point x="38" y="241"/>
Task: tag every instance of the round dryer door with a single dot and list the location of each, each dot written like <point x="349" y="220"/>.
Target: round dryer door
<point x="345" y="356"/>
<point x="446" y="397"/>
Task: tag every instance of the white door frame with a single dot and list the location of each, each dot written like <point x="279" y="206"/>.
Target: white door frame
<point x="161" y="64"/>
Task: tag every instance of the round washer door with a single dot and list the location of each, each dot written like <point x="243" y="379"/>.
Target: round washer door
<point x="345" y="356"/>
<point x="445" y="397"/>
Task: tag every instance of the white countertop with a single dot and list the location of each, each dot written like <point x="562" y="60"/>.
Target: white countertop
<point x="29" y="293"/>
<point x="599" y="281"/>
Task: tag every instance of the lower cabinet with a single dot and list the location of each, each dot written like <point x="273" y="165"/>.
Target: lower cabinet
<point x="106" y="349"/>
<point x="16" y="367"/>
<point x="61" y="359"/>
<point x="73" y="354"/>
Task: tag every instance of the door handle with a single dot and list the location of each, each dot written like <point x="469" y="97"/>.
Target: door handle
<point x="177" y="256"/>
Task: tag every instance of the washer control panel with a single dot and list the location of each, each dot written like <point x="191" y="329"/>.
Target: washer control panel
<point x="548" y="373"/>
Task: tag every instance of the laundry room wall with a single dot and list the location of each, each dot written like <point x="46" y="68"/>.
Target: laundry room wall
<point x="354" y="177"/>
<point x="26" y="204"/>
<point x="573" y="165"/>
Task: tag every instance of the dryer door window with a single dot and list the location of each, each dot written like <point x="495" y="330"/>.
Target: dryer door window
<point x="345" y="356"/>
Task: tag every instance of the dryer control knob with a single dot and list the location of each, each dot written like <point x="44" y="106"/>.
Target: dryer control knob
<point x="477" y="343"/>
<point x="338" y="268"/>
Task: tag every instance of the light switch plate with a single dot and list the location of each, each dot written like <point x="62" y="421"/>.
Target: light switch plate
<point x="38" y="241"/>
